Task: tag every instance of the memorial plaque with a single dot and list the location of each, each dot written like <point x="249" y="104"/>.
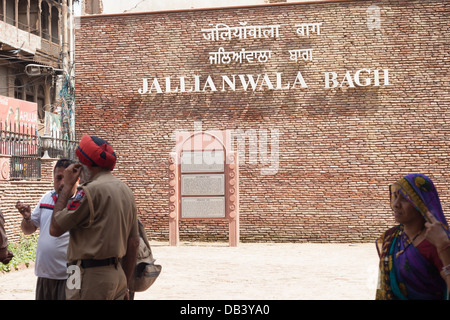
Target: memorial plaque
<point x="202" y="161"/>
<point x="203" y="207"/>
<point x="203" y="184"/>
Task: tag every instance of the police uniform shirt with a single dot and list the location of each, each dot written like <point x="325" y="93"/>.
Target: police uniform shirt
<point x="103" y="234"/>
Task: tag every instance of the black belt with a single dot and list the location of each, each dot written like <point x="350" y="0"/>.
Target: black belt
<point x="91" y="263"/>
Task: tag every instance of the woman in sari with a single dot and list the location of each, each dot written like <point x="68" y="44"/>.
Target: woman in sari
<point x="410" y="266"/>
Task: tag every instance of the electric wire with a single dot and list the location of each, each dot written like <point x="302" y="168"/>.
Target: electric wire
<point x="28" y="84"/>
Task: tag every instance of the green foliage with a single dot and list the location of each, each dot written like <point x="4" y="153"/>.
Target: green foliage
<point x="24" y="252"/>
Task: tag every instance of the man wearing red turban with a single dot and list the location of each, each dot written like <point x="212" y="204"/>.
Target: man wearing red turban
<point x="102" y="220"/>
<point x="96" y="152"/>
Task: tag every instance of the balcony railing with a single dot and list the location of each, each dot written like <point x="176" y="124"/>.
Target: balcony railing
<point x="25" y="147"/>
<point x="21" y="142"/>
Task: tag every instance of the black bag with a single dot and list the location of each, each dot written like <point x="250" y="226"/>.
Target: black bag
<point x="146" y="270"/>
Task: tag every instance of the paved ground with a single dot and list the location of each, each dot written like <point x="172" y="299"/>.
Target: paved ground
<point x="215" y="271"/>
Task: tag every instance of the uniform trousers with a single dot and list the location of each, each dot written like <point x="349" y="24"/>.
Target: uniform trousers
<point x="99" y="283"/>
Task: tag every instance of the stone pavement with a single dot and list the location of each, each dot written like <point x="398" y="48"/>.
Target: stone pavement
<point x="251" y="271"/>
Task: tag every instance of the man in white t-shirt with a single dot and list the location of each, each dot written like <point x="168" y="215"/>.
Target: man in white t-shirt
<point x="51" y="252"/>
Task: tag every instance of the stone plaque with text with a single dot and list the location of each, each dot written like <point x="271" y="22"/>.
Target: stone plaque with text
<point x="203" y="207"/>
<point x="203" y="184"/>
<point x="202" y="161"/>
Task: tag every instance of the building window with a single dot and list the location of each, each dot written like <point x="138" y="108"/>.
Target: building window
<point x="55" y="25"/>
<point x="18" y="89"/>
<point x="29" y="91"/>
<point x="23" y="15"/>
<point x="45" y="12"/>
<point x="10" y="12"/>
<point x="34" y="17"/>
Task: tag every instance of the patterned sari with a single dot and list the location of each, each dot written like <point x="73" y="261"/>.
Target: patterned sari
<point x="404" y="272"/>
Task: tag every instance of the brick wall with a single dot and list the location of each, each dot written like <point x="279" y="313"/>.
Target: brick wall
<point x="29" y="192"/>
<point x="339" y="148"/>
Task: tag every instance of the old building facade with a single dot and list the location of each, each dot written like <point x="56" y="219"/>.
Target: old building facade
<point x="327" y="103"/>
<point x="36" y="70"/>
<point x="34" y="32"/>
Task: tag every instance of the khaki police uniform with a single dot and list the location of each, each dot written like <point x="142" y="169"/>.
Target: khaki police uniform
<point x="100" y="218"/>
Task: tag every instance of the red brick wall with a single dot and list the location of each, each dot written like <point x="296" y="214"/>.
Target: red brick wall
<point x="29" y="192"/>
<point x="339" y="148"/>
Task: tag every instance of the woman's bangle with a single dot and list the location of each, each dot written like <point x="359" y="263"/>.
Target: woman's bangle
<point x="446" y="270"/>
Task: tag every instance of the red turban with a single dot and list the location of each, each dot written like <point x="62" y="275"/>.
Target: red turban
<point x="96" y="152"/>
